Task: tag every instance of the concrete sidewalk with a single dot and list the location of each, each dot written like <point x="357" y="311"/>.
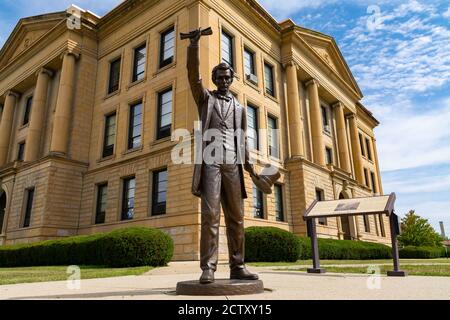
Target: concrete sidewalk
<point x="160" y="284"/>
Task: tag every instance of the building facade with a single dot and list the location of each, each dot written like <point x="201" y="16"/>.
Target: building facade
<point x="89" y="104"/>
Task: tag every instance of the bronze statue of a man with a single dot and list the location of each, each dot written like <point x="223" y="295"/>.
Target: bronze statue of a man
<point x="220" y="182"/>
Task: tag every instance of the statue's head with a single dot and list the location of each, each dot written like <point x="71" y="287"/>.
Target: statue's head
<point x="222" y="77"/>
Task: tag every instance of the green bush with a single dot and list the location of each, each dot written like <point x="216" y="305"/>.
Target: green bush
<point x="128" y="247"/>
<point x="411" y="252"/>
<point x="332" y="249"/>
<point x="270" y="244"/>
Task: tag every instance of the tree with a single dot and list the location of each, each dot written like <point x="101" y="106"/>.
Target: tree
<point x="416" y="231"/>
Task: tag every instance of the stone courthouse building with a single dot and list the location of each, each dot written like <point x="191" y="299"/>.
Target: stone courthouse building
<point x="88" y="105"/>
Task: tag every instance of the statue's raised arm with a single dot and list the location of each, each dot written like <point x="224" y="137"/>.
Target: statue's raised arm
<point x="193" y="64"/>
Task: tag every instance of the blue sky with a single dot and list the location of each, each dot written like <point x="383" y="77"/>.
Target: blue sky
<point x="399" y="52"/>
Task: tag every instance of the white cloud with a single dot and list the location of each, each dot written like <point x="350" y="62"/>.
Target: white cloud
<point x="408" y="139"/>
<point x="447" y="13"/>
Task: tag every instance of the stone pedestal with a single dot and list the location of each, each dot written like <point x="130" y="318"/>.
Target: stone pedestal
<point x="221" y="287"/>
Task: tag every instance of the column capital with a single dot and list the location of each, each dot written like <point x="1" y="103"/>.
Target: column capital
<point x="312" y="81"/>
<point x="12" y="93"/>
<point x="45" y="71"/>
<point x="70" y="52"/>
<point x="338" y="104"/>
<point x="351" y="116"/>
<point x="291" y="63"/>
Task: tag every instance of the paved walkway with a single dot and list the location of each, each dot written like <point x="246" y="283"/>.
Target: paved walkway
<point x="160" y="284"/>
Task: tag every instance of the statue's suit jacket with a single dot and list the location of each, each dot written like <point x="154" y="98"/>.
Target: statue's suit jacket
<point x="206" y="102"/>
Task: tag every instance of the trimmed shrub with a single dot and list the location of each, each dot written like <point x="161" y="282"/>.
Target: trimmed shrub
<point x="411" y="252"/>
<point x="270" y="244"/>
<point x="120" y="248"/>
<point x="332" y="249"/>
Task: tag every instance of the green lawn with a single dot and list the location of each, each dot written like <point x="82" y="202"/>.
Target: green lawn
<point x="411" y="269"/>
<point x="347" y="262"/>
<point x="56" y="273"/>
<point x="417" y="267"/>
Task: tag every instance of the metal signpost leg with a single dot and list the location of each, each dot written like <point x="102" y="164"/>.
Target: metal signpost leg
<point x="311" y="225"/>
<point x="396" y="273"/>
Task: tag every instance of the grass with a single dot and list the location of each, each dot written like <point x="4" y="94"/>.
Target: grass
<point x="57" y="273"/>
<point x="347" y="262"/>
<point x="411" y="269"/>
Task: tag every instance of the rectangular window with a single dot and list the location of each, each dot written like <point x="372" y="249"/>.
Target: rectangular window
<point x="100" y="211"/>
<point x="361" y="143"/>
<point x="21" y="151"/>
<point x="114" y="76"/>
<point x="164" y="113"/>
<point x="329" y="155"/>
<point x="258" y="205"/>
<point x="110" y="135"/>
<point x="366" y="223"/>
<point x="374" y="186"/>
<point x="325" y="120"/>
<point x="279" y="210"/>
<point x="167" y="47"/>
<point x="159" y="194"/>
<point x="227" y="49"/>
<point x="252" y="128"/>
<point x="140" y="54"/>
<point x="369" y="150"/>
<point x="268" y="80"/>
<point x="273" y="137"/>
<point x="366" y="177"/>
<point x="320" y="196"/>
<point x="28" y="207"/>
<point x="135" y="126"/>
<point x="129" y="187"/>
<point x="27" y="110"/>
<point x="249" y="63"/>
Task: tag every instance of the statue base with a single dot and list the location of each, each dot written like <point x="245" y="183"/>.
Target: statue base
<point x="221" y="287"/>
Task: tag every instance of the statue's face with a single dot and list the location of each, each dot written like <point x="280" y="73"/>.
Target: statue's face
<point x="223" y="80"/>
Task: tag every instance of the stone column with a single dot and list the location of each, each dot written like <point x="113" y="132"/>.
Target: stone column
<point x="316" y="122"/>
<point x="61" y="123"/>
<point x="356" y="149"/>
<point x="33" y="141"/>
<point x="344" y="157"/>
<point x="377" y="166"/>
<point x="6" y="125"/>
<point x="295" y="121"/>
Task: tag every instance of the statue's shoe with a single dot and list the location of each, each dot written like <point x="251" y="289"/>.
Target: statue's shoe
<point x="207" y="276"/>
<point x="242" y="274"/>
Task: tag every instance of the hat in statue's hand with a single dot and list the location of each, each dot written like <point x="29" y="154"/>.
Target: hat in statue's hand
<point x="266" y="179"/>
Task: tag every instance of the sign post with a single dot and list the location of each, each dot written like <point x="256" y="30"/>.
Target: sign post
<point x="312" y="232"/>
<point x="395" y="231"/>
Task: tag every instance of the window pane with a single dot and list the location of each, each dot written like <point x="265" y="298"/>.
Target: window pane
<point x="258" y="211"/>
<point x="135" y="129"/>
<point x="128" y="199"/>
<point x="252" y="124"/>
<point x="273" y="137"/>
<point x="268" y="79"/>
<point x="114" y="76"/>
<point x="278" y="203"/>
<point x="21" y="152"/>
<point x="159" y="192"/>
<point x="369" y="151"/>
<point x="101" y="204"/>
<point x="28" y="208"/>
<point x="110" y="135"/>
<point x="27" y="110"/>
<point x="227" y="48"/>
<point x="249" y="66"/>
<point x="164" y="114"/>
<point x="139" y="63"/>
<point x="167" y="49"/>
